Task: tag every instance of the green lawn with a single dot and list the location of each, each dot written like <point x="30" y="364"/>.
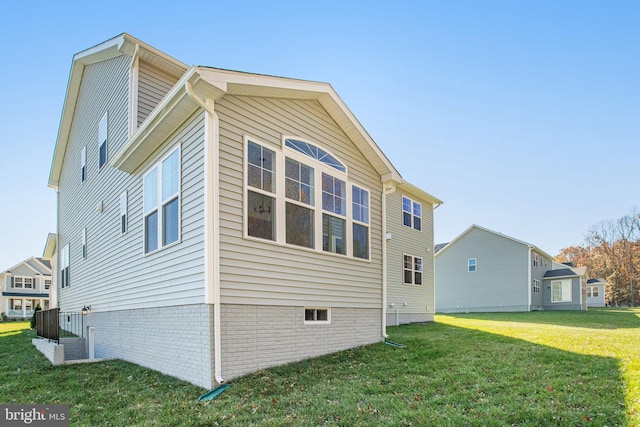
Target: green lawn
<point x="523" y="369"/>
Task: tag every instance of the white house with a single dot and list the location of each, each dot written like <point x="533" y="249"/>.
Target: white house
<point x="216" y="222"/>
<point x="25" y="286"/>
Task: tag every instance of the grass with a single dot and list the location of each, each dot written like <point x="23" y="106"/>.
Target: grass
<point x="521" y="369"/>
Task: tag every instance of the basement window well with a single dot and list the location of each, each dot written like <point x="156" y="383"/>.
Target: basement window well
<point x="316" y="315"/>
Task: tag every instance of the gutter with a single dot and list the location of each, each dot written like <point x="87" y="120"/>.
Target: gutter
<point x="212" y="223"/>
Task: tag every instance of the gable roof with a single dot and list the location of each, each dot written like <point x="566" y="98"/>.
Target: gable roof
<point x="34" y="264"/>
<point x="200" y="83"/>
<point x="204" y="83"/>
<point x="474" y="226"/>
<point x="596" y="282"/>
<point x="123" y="44"/>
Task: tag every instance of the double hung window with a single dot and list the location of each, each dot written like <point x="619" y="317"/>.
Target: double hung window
<point x="261" y="209"/>
<point x="123" y="213"/>
<point x="536" y="286"/>
<point x="334" y="201"/>
<point x="412" y="267"/>
<point x="299" y="186"/>
<point x="83" y="164"/>
<point x="64" y="266"/>
<point x="102" y="140"/>
<point x="411" y="213"/>
<point x="162" y="203"/>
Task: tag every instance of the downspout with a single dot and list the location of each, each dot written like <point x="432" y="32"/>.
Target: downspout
<point x="433" y="260"/>
<point x="133" y="91"/>
<point x="212" y="223"/>
<point x="529" y="279"/>
<point x="386" y="190"/>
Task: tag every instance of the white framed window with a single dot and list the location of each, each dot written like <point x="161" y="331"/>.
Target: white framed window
<point x="47" y="284"/>
<point x="593" y="291"/>
<point x="536" y="260"/>
<point x="334" y="206"/>
<point x="412" y="268"/>
<point x="261" y="183"/>
<point x="472" y="265"/>
<point x="16" y="304"/>
<point x="123" y="213"/>
<point x="360" y="215"/>
<point x="64" y="266"/>
<point x="84" y="243"/>
<point x="536" y="286"/>
<point x="299" y="190"/>
<point x="411" y="213"/>
<point x="103" y="136"/>
<point x="17" y="282"/>
<point x="561" y="291"/>
<point x="28" y="283"/>
<point x="161" y="203"/>
<point x="83" y="163"/>
<point x="317" y="315"/>
<point x="306" y="200"/>
<point x="28" y="304"/>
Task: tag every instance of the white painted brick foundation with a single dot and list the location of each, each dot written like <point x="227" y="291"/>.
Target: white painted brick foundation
<point x="257" y="337"/>
<point x="178" y="340"/>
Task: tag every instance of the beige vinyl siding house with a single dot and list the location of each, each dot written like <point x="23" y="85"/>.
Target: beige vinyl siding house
<point x="410" y="263"/>
<point x="237" y="224"/>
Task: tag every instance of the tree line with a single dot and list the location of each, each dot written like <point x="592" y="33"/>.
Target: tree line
<point x="611" y="251"/>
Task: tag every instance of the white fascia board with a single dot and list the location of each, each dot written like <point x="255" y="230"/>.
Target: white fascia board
<point x="119" y="45"/>
<point x="165" y="118"/>
<point x="50" y="246"/>
<point x="419" y="193"/>
<point x="247" y="84"/>
<point x="25" y="262"/>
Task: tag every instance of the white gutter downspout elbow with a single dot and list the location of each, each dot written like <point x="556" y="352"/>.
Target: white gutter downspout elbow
<point x="386" y="190"/>
<point x="212" y="223"/>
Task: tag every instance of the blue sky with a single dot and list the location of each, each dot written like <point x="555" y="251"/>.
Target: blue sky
<point x="522" y="116"/>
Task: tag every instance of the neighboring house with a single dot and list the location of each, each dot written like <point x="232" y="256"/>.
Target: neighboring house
<point x="214" y="222"/>
<point x="410" y="272"/>
<point x="595" y="293"/>
<point x="25" y="286"/>
<point x="483" y="270"/>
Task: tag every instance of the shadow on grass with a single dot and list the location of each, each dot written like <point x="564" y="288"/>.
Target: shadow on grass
<point x="446" y="376"/>
<point x="594" y="318"/>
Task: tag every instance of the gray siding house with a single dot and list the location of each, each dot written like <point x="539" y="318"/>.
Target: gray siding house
<point x="483" y="270"/>
<point x="212" y="222"/>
